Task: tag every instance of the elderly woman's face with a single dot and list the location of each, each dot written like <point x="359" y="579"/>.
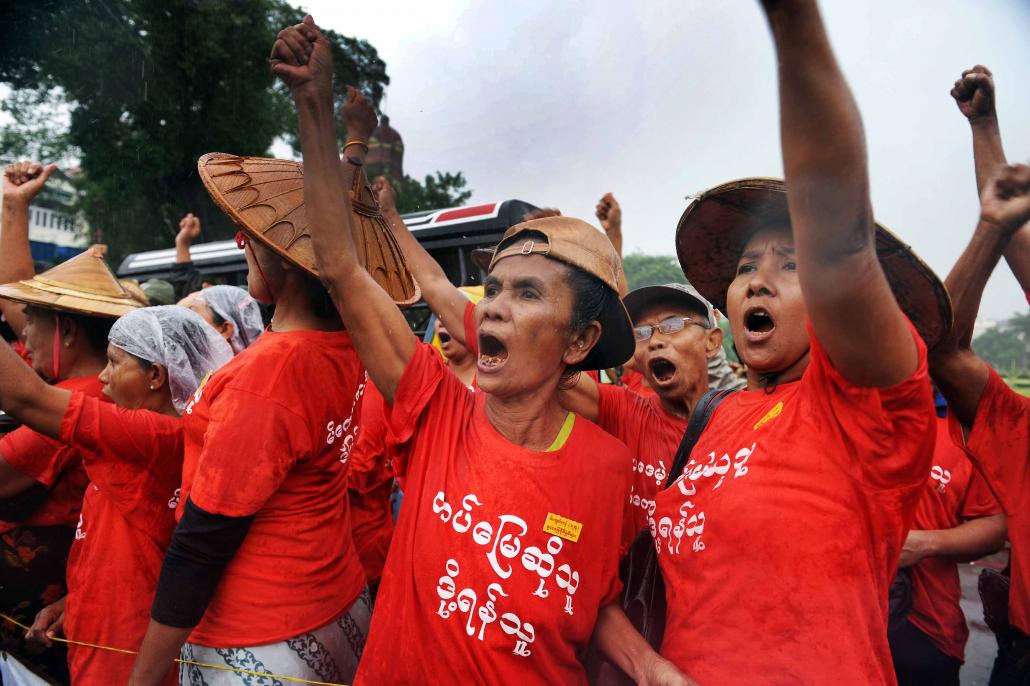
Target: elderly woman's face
<point x="765" y="306"/>
<point x="523" y="322"/>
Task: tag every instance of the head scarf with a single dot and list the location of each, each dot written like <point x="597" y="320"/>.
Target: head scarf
<point x="175" y="338"/>
<point x="233" y="304"/>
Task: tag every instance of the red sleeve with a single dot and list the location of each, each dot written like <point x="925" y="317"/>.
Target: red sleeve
<point x="131" y="453"/>
<point x="367" y="469"/>
<point x="979" y="500"/>
<point x="269" y="433"/>
<point x="35" y="455"/>
<point x="618" y="410"/>
<point x="893" y="429"/>
<point x="999" y="443"/>
<point x="471" y="332"/>
<point x="428" y="392"/>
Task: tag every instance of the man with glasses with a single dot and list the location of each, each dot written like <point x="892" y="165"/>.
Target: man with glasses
<point x="677" y="337"/>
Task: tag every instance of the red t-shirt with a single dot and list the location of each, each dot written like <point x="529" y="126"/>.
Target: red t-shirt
<point x="999" y="445"/>
<point x="652" y="436"/>
<point x="270" y="435"/>
<point x="634" y="381"/>
<point x="779" y="541"/>
<point x="502" y="556"/>
<point x="134" y="462"/>
<point x="53" y="464"/>
<point x="954" y="492"/>
<point x="369" y="482"/>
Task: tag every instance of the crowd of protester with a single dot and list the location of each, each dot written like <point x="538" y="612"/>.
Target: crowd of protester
<point x="591" y="493"/>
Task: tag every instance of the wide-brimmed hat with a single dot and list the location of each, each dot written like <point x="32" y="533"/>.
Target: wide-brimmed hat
<point x="579" y="244"/>
<point x="265" y="198"/>
<point x="682" y="293"/>
<point x="718" y="223"/>
<point x="82" y="285"/>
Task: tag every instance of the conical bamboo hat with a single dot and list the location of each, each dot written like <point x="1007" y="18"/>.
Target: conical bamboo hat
<point x="265" y="197"/>
<point x="718" y="223"/>
<point x="82" y="285"/>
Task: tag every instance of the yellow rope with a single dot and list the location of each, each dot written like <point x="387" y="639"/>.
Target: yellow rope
<point x="183" y="662"/>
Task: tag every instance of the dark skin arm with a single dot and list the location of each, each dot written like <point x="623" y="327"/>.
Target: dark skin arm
<point x="621" y="643"/>
<point x="966" y="542"/>
<point x="443" y="297"/>
<point x="34" y="403"/>
<point x="1004" y="208"/>
<point x="189" y="231"/>
<point x="824" y="159"/>
<point x="975" y="96"/>
<point x="609" y="213"/>
<point x="22" y="183"/>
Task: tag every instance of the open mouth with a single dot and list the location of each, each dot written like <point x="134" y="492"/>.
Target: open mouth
<point x="444" y="337"/>
<point x="492" y="353"/>
<point x="758" y="322"/>
<point x="661" y="369"/>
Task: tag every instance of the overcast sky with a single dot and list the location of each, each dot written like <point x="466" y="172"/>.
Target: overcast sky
<point x="556" y="103"/>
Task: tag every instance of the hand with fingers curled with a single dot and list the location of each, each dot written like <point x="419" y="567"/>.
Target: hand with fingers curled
<point x="541" y="213"/>
<point x="358" y="115"/>
<point x="1005" y="202"/>
<point x="303" y="59"/>
<point x="49" y="623"/>
<point x="189" y="230"/>
<point x="974" y="94"/>
<point x="385" y="195"/>
<point x="609" y="213"/>
<point x="24" y="180"/>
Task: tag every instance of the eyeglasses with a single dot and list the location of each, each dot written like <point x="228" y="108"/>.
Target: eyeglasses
<point x="666" y="326"/>
<point x="241" y="240"/>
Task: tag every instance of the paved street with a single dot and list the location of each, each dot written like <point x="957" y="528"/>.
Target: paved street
<point x="982" y="647"/>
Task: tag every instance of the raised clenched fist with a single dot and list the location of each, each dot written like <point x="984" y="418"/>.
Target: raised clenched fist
<point x="303" y="59"/>
<point x="383" y="191"/>
<point x="189" y="230"/>
<point x="24" y="180"/>
<point x="974" y="93"/>
<point x="609" y="213"/>
<point x="358" y="115"/>
<point x="1005" y="201"/>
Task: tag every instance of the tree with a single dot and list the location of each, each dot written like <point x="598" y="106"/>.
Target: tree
<point x="1004" y="347"/>
<point x="439" y="191"/>
<point x="151" y="86"/>
<point x="651" y="270"/>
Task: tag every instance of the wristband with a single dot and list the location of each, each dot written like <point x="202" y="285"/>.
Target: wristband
<point x="356" y="142"/>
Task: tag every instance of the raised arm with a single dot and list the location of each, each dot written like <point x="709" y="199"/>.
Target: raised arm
<point x="22" y="183"/>
<point x="974" y="95"/>
<point x="302" y="58"/>
<point x="609" y="213"/>
<point x="440" y="294"/>
<point x="1004" y="208"/>
<point x="27" y="397"/>
<point x="849" y="301"/>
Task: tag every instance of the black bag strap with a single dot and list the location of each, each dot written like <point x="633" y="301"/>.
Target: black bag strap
<point x="699" y="418"/>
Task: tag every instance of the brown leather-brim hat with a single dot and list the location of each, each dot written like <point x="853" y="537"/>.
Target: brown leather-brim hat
<point x="718" y="223"/>
<point x="265" y="198"/>
<point x="579" y="244"/>
<point x="83" y="285"/>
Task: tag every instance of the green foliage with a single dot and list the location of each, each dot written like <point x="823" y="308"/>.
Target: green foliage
<point x="651" y="270"/>
<point x="152" y="85"/>
<point x="437" y="192"/>
<point x="1006" y="347"/>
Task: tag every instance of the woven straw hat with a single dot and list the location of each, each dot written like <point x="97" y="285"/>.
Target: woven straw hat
<point x="718" y="223"/>
<point x="265" y="198"/>
<point x="82" y="285"/>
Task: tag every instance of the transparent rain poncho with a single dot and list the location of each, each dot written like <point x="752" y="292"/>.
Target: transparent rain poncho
<point x="177" y="339"/>
<point x="233" y="304"/>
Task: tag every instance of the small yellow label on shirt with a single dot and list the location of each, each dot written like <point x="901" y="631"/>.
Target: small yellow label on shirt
<point x="770" y="415"/>
<point x="562" y="527"/>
